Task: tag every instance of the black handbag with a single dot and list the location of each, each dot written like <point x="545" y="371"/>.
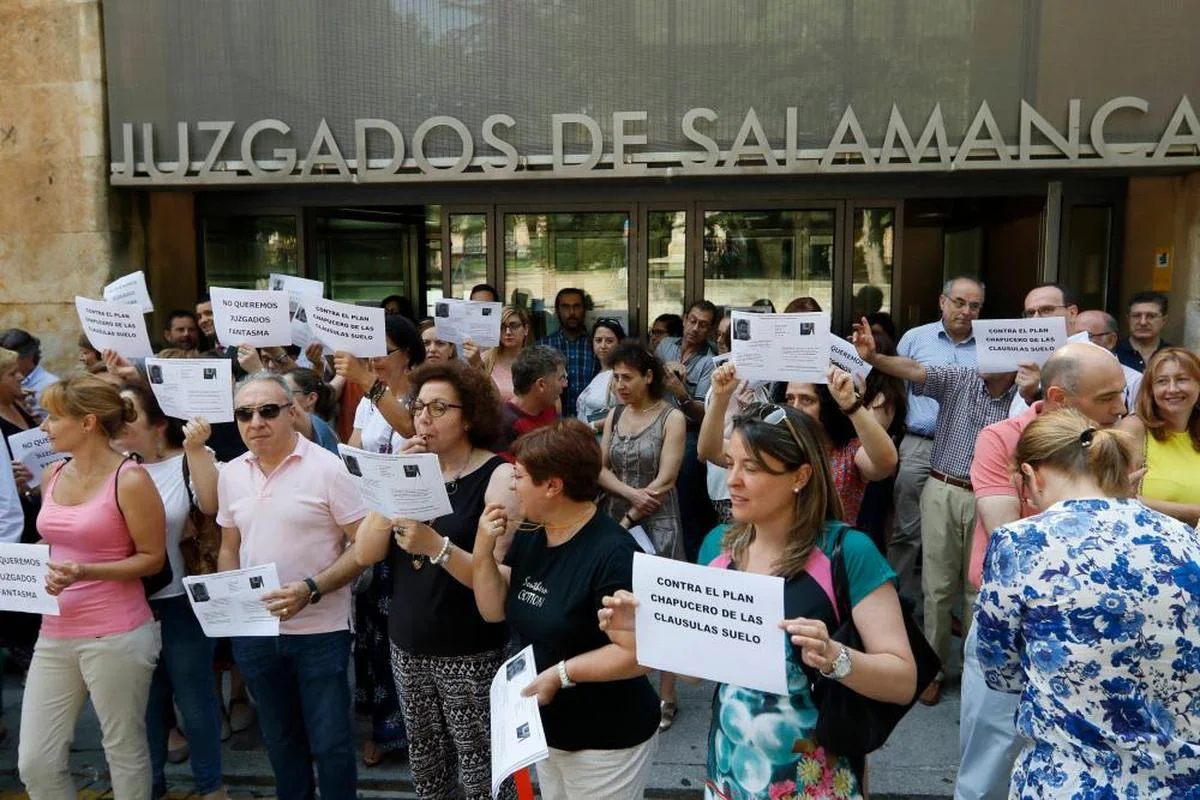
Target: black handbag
<point x="848" y="723"/>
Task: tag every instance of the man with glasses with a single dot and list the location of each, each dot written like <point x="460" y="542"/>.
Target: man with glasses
<point x="1147" y="316"/>
<point x="949" y="340"/>
<point x="1103" y="330"/>
<point x="293" y="504"/>
<point x="539" y="376"/>
<point x="1042" y="301"/>
<point x="572" y="340"/>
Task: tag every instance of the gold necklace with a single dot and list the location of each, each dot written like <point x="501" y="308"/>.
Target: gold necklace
<point x="525" y="526"/>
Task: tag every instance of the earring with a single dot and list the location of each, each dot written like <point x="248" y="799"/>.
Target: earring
<point x="796" y="490"/>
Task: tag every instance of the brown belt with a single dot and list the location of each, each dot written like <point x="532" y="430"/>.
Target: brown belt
<point x="944" y="478"/>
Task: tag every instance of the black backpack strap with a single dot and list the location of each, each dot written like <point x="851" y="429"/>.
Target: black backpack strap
<point x="841" y="581"/>
<point x="187" y="480"/>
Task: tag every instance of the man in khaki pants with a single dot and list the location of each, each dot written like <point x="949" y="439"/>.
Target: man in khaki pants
<point x="967" y="403"/>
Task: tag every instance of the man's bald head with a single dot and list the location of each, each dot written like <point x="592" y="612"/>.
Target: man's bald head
<point x="1086" y="377"/>
<point x="1100" y="326"/>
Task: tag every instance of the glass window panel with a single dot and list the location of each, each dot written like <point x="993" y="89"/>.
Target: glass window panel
<point x="468" y="253"/>
<point x="240" y="252"/>
<point x="771" y="255"/>
<point x="547" y="252"/>
<point x="433" y="257"/>
<point x="1086" y="270"/>
<point x="364" y="260"/>
<point x="667" y="255"/>
<point x="874" y="253"/>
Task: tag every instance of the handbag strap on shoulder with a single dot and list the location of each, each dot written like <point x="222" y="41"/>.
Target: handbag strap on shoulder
<point x="841" y="582"/>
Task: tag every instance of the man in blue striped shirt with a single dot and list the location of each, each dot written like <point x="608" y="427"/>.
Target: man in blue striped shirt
<point x="947" y="341"/>
<point x="572" y="340"/>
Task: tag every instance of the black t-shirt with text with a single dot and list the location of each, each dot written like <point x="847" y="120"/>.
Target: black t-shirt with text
<point x="553" y="597"/>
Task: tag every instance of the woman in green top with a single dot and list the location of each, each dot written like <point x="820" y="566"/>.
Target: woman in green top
<point x="786" y="515"/>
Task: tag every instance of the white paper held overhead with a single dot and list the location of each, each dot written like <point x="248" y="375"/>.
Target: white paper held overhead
<point x="193" y="387"/>
<point x="119" y="327"/>
<point x="1002" y="345"/>
<point x="781" y="347"/>
<point x="248" y="316"/>
<point x="357" y="330"/>
<point x="458" y="320"/>
<point x="130" y="290"/>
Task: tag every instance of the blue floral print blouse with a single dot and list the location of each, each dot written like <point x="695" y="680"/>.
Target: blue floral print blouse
<point x="1091" y="611"/>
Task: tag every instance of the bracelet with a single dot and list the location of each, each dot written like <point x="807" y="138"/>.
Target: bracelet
<point x="441" y="558"/>
<point x="563" y="678"/>
<point x="375" y="393"/>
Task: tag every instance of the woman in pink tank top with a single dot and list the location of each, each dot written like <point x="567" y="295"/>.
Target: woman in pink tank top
<point x="104" y="522"/>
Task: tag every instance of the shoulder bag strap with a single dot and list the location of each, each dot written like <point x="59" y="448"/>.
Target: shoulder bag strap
<point x="116" y="486"/>
<point x="841" y="582"/>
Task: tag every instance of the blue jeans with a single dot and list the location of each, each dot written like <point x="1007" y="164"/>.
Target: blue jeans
<point x="185" y="671"/>
<point x="988" y="741"/>
<point x="302" y="687"/>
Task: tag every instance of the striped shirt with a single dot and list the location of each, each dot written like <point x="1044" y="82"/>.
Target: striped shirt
<point x="932" y="346"/>
<point x="965" y="407"/>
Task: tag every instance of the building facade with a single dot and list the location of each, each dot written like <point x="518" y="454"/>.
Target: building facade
<point x="857" y="151"/>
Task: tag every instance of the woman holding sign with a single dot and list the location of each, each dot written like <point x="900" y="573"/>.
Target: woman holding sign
<point x="787" y="514"/>
<point x="497" y="362"/>
<point x="599" y="712"/>
<point x="444" y="654"/>
<point x="104" y="521"/>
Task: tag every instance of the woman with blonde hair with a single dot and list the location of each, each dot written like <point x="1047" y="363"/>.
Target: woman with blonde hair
<point x="1165" y="425"/>
<point x="104" y="521"/>
<point x="1084" y="611"/>
<point x="497" y="362"/>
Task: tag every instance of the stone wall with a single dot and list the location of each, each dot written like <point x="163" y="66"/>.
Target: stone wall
<point x="62" y="230"/>
<point x="1165" y="212"/>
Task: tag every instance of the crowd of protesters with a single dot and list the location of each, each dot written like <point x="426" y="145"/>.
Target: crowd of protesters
<point x="1040" y="523"/>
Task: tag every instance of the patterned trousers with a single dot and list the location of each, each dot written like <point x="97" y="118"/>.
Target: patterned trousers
<point x="446" y="704"/>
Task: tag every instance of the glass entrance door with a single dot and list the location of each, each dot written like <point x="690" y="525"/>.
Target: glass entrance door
<point x="365" y="255"/>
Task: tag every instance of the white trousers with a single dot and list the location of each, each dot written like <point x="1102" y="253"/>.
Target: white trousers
<point x="988" y="742"/>
<point x="115" y="671"/>
<point x="597" y="774"/>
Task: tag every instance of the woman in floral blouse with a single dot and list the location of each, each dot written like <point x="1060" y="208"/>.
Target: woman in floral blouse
<point x="1091" y="611"/>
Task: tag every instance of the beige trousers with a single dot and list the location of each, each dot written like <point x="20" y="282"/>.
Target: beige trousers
<point x="115" y="672"/>
<point x="947" y="528"/>
<point x="597" y="774"/>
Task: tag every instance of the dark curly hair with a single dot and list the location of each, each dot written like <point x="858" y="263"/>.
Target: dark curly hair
<point x="633" y="354"/>
<point x="476" y="393"/>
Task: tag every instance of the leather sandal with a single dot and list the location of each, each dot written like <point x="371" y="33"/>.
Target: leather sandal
<point x="932" y="694"/>
<point x="667" y="710"/>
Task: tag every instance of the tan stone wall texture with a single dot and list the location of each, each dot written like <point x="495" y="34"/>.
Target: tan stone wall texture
<point x="1165" y="212"/>
<point x="62" y="230"/>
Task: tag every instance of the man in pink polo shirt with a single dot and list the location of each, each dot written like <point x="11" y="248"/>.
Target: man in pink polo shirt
<point x="292" y="503"/>
<point x="1082" y="376"/>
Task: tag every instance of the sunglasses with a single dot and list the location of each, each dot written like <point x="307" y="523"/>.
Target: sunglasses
<point x="266" y="411"/>
<point x="772" y="414"/>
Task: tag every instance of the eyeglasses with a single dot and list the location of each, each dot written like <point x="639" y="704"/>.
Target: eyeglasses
<point x="437" y="408"/>
<point x="1095" y="337"/>
<point x="266" y="411"/>
<point x="960" y="304"/>
<point x="512" y="327"/>
<point x="1041" y="311"/>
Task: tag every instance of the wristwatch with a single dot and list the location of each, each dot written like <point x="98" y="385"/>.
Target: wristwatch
<point x="563" y="678"/>
<point x="314" y="592"/>
<point x="840" y="668"/>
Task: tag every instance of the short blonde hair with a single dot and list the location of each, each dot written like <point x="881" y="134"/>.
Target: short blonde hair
<point x="7" y="358"/>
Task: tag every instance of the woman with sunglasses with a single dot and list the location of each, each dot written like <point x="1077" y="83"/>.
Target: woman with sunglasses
<point x="597" y="398"/>
<point x="382" y="424"/>
<point x="787" y="522"/>
<point x="497" y="362"/>
<point x="599" y="712"/>
<point x="444" y="654"/>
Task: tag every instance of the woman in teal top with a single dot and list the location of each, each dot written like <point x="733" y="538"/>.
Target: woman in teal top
<point x="786" y="514"/>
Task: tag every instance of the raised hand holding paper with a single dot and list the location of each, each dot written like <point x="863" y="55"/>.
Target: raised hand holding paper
<point x="843" y="356"/>
<point x="131" y="290"/>
<point x="119" y="327"/>
<point x="781" y="347"/>
<point x="357" y="330"/>
<point x="718" y="624"/>
<point x="193" y="387"/>
<point x="230" y="603"/>
<point x="248" y="316"/>
<point x="458" y="320"/>
<point x="1002" y="345"/>
<point x="32" y="448"/>
<point x="398" y="485"/>
<point x="23" y="570"/>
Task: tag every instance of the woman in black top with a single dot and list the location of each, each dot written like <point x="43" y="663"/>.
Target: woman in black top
<point x="443" y="653"/>
<point x="599" y="711"/>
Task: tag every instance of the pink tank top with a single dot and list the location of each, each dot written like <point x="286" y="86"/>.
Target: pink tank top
<point x="91" y="532"/>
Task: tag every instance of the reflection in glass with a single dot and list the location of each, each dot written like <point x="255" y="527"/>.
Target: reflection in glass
<point x="433" y="258"/>
<point x="239" y="252"/>
<point x="666" y="249"/>
<point x="874" y="252"/>
<point x="544" y="253"/>
<point x="1086" y="268"/>
<point x="363" y="260"/>
<point x="468" y="253"/>
<point x="771" y="255"/>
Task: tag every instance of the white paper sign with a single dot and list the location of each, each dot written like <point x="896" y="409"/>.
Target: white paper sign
<point x="1078" y="338"/>
<point x="458" y="320"/>
<point x="357" y="330"/>
<point x="518" y="739"/>
<point x="23" y="569"/>
<point x="397" y="485"/>
<point x="32" y="448"/>
<point x="843" y="356"/>
<point x="717" y="624"/>
<point x="230" y="603"/>
<point x="298" y="290"/>
<point x="193" y="387"/>
<point x="248" y="316"/>
<point x="119" y="327"/>
<point x="131" y="291"/>
<point x="781" y="347"/>
<point x="1002" y="345"/>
